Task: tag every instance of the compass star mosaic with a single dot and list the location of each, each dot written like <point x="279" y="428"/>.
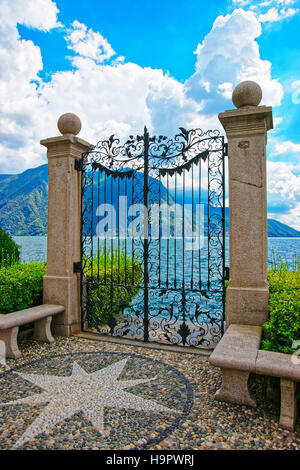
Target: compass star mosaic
<point x="81" y="400"/>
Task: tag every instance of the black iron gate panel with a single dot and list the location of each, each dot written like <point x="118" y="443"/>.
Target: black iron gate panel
<point x="153" y="238"/>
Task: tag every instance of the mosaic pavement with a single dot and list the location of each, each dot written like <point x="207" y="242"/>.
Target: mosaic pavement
<point x="97" y="400"/>
<point x="185" y="383"/>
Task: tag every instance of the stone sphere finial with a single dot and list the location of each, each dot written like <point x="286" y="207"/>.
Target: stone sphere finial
<point x="69" y="123"/>
<point x="247" y="93"/>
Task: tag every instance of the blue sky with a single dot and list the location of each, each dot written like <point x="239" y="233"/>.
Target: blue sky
<point x="121" y="64"/>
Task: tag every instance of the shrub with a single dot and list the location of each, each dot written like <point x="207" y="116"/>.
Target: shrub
<point x="21" y="286"/>
<point x="110" y="289"/>
<point x="9" y="250"/>
<point x="283" y="327"/>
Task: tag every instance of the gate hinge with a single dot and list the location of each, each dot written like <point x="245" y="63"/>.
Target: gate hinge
<point x="226" y="273"/>
<point x="77" y="267"/>
<point x="225" y="150"/>
<point x="78" y="164"/>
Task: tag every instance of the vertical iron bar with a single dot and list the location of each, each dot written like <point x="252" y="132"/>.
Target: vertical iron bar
<point x="82" y="182"/>
<point x="98" y="239"/>
<point x="125" y="232"/>
<point x="132" y="234"/>
<point x="118" y="205"/>
<point x="192" y="268"/>
<point x="146" y="252"/>
<point x="92" y="238"/>
<point x="159" y="231"/>
<point x="223" y="228"/>
<point x="208" y="222"/>
<point x="111" y="247"/>
<point x="175" y="230"/>
<point x="104" y="229"/>
<point x="183" y="228"/>
<point x="168" y="230"/>
<point x="199" y="241"/>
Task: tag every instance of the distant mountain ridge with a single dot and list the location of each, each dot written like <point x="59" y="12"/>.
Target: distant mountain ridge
<point x="24" y="205"/>
<point x="24" y="202"/>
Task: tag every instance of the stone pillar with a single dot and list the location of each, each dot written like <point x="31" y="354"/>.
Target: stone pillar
<point x="246" y="129"/>
<point x="60" y="284"/>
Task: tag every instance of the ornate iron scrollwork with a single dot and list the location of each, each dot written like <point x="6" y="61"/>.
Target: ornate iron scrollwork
<point x="154" y="288"/>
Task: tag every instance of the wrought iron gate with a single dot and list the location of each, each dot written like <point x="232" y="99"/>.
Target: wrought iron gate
<point x="153" y="238"/>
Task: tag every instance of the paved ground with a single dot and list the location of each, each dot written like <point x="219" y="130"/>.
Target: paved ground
<point x="83" y="394"/>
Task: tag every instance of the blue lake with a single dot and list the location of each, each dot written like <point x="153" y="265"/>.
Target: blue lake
<point x="35" y="248"/>
<point x="204" y="315"/>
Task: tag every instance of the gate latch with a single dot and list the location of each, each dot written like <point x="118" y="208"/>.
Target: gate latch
<point x="225" y="149"/>
<point x="77" y="267"/>
<point x="78" y="164"/>
<point x="226" y="273"/>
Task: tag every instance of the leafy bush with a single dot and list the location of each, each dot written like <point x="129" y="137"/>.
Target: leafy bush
<point x="9" y="250"/>
<point x="283" y="327"/>
<point x="21" y="286"/>
<point x="110" y="285"/>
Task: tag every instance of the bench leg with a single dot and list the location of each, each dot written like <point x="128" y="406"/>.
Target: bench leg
<point x="235" y="388"/>
<point x="9" y="338"/>
<point x="42" y="330"/>
<point x="288" y="407"/>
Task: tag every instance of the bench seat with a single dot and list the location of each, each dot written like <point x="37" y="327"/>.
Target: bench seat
<point x="238" y="354"/>
<point x="10" y="322"/>
<point x="280" y="365"/>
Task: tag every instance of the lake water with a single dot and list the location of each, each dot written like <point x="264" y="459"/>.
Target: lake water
<point x="35" y="248"/>
<point x="204" y="315"/>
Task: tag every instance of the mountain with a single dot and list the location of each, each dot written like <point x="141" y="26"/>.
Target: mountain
<point x="24" y="202"/>
<point x="24" y="199"/>
<point x="278" y="229"/>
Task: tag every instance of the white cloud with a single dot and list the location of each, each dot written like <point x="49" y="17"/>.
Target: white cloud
<point x="40" y="14"/>
<point x="283" y="193"/>
<point x="20" y="63"/>
<point x="226" y="89"/>
<point x="88" y="43"/>
<point x="276" y="14"/>
<point x="241" y="3"/>
<point x="116" y="99"/>
<point x="269" y="11"/>
<point x="286" y="147"/>
<point x="228" y="55"/>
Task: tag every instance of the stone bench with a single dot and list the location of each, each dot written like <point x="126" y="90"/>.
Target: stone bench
<point x="280" y="365"/>
<point x="238" y="354"/>
<point x="40" y="315"/>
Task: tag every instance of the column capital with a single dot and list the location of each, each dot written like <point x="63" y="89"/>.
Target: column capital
<point x="247" y="120"/>
<point x="65" y="146"/>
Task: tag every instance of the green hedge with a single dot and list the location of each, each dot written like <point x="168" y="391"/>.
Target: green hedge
<point x="21" y="286"/>
<point x="9" y="250"/>
<point x="283" y="327"/>
<point x="109" y="300"/>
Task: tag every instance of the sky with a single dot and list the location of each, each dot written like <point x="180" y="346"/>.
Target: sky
<point x="123" y="64"/>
